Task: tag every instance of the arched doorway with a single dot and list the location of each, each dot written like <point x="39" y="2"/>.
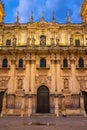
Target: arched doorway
<point x="43" y="105"/>
<point x="1" y="100"/>
<point x="85" y="100"/>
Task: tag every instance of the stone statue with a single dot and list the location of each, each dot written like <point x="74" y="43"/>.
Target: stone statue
<point x="52" y="41"/>
<point x="14" y="41"/>
<point x="20" y="83"/>
<point x="28" y="41"/>
<point x="33" y="41"/>
<point x="66" y="84"/>
<point x="57" y="42"/>
<point x="71" y="41"/>
<point x="43" y="41"/>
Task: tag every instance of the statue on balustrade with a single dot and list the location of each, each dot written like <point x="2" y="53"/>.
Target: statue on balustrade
<point x="14" y="41"/>
<point x="52" y="42"/>
<point x="28" y="42"/>
<point x="57" y="41"/>
<point x="71" y="41"/>
<point x="33" y="42"/>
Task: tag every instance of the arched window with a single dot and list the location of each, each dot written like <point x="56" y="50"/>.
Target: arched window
<point x="20" y="65"/>
<point x="5" y="63"/>
<point x="43" y="62"/>
<point x="81" y="62"/>
<point x="65" y="63"/>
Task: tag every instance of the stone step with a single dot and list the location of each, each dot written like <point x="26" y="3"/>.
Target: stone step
<point x="43" y="115"/>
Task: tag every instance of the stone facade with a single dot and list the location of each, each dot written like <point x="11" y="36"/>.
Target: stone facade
<point x="43" y="54"/>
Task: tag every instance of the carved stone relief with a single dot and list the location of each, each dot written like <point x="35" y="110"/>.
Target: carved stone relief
<point x="4" y="82"/>
<point x="82" y="82"/>
<point x="20" y="82"/>
<point x="66" y="84"/>
<point x="43" y="79"/>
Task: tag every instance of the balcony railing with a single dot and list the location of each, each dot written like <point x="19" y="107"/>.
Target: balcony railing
<point x="68" y="67"/>
<point x="45" y="67"/>
<point x="20" y="68"/>
<point x="47" y="47"/>
<point x="78" y="67"/>
<point x="5" y="68"/>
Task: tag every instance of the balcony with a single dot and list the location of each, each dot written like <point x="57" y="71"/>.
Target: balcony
<point x="4" y="68"/>
<point x="20" y="68"/>
<point x="39" y="67"/>
<point x="68" y="67"/>
<point x="80" y="68"/>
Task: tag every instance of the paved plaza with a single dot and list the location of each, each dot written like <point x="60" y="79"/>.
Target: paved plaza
<point x="44" y="123"/>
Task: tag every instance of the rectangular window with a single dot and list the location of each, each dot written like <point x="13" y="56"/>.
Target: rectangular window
<point x="8" y="42"/>
<point x="77" y="42"/>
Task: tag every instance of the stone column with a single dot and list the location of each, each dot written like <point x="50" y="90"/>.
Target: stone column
<point x="56" y="105"/>
<point x="32" y="80"/>
<point x="74" y="90"/>
<point x="82" y="105"/>
<point x="27" y="74"/>
<point x="4" y="105"/>
<point x="22" y="106"/>
<point x="58" y="71"/>
<point x="53" y="72"/>
<point x="30" y="105"/>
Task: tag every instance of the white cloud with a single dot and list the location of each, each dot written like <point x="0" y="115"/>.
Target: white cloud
<point x="60" y="7"/>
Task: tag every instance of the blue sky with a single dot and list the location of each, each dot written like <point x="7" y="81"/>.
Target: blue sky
<point x="25" y="7"/>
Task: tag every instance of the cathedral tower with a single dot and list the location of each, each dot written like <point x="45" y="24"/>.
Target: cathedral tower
<point x="84" y="11"/>
<point x="2" y="13"/>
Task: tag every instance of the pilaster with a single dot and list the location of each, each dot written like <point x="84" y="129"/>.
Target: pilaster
<point x="30" y="105"/>
<point x="73" y="75"/>
<point x="12" y="79"/>
<point x="22" y="106"/>
<point x="32" y="79"/>
<point x="56" y="104"/>
<point x="58" y="71"/>
<point x="82" y="105"/>
<point x="53" y="73"/>
<point x="27" y="74"/>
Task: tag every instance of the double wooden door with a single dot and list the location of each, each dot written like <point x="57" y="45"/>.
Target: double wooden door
<point x="43" y="105"/>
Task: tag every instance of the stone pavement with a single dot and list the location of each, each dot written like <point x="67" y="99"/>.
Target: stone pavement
<point x="43" y="123"/>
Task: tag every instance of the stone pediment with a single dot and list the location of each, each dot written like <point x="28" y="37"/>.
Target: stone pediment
<point x="44" y="24"/>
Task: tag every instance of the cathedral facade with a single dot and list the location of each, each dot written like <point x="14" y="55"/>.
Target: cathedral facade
<point x="43" y="67"/>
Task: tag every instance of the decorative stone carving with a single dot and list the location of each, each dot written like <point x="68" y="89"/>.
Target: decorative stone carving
<point x="14" y="41"/>
<point x="57" y="41"/>
<point x="82" y="82"/>
<point x="28" y="41"/>
<point x="71" y="41"/>
<point x="4" y="82"/>
<point x="66" y="84"/>
<point x="52" y="41"/>
<point x="43" y="79"/>
<point x="43" y="40"/>
<point x="20" y="83"/>
<point x="33" y="41"/>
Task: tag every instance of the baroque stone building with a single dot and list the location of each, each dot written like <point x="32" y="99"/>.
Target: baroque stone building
<point x="43" y="66"/>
